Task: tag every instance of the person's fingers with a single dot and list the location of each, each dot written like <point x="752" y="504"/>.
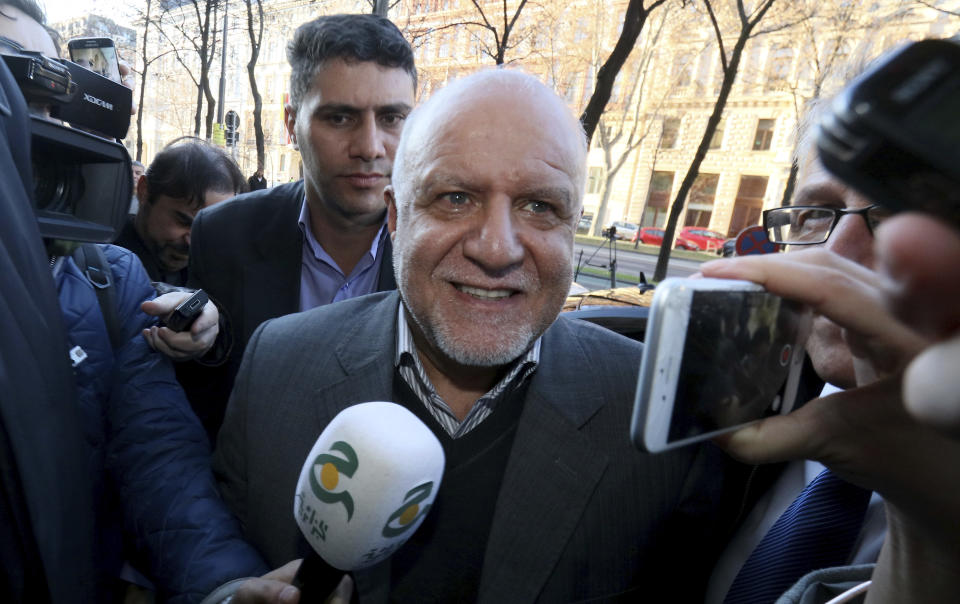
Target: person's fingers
<point x="841" y="290"/>
<point x="149" y="336"/>
<point x="266" y="591"/>
<point x="161" y="343"/>
<point x="343" y="594"/>
<point x="920" y="255"/>
<point x="285" y="573"/>
<point x="931" y="389"/>
<point x="128" y="79"/>
<point x="164" y="305"/>
<point x="208" y="319"/>
<point x="848" y="431"/>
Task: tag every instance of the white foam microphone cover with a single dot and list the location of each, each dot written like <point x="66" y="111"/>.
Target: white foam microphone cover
<point x="367" y="484"/>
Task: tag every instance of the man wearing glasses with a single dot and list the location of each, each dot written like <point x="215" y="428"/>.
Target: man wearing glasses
<point x="824" y="212"/>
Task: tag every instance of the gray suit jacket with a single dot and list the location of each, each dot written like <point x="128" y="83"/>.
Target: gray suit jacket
<point x="246" y="254"/>
<point x="581" y="514"/>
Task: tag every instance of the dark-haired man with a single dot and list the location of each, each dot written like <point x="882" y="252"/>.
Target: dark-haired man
<point x="257" y="182"/>
<point x="185" y="177"/>
<point x="323" y="239"/>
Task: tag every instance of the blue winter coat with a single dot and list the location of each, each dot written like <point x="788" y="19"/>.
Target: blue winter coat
<point x="151" y="460"/>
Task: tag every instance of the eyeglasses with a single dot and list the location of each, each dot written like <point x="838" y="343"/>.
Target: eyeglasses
<point x="810" y="225"/>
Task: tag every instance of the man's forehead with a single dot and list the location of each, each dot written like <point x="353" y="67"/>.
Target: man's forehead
<point x="817" y="186"/>
<point x="361" y="83"/>
<point x="496" y="127"/>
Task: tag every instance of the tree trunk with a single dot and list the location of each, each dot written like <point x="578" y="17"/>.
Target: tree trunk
<point x="255" y="41"/>
<point x="633" y="20"/>
<point x="143" y="84"/>
<point x="791" y="184"/>
<point x="729" y="75"/>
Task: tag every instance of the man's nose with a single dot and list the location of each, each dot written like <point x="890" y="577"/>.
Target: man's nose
<point x="494" y="243"/>
<point x="852" y="239"/>
<point x="368" y="140"/>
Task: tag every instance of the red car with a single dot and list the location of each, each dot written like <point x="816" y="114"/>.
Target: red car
<point x="649" y="236"/>
<point x="699" y="239"/>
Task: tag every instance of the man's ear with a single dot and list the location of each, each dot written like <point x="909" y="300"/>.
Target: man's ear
<point x="391" y="199"/>
<point x="141" y="190"/>
<point x="290" y="120"/>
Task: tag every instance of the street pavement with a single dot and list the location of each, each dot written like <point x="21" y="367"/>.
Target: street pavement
<point x="628" y="262"/>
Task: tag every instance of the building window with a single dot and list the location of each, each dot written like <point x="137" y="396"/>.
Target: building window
<point x="764" y="136"/>
<point x="670" y="134"/>
<point x="658" y="199"/>
<point x="682" y="66"/>
<point x="700" y="202"/>
<point x="704" y="71"/>
<point x="748" y="204"/>
<point x="779" y="67"/>
<point x="716" y="141"/>
<point x="595" y="180"/>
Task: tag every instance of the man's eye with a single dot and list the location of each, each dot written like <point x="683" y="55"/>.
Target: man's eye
<point x="456" y="198"/>
<point x="392" y="119"/>
<point x="337" y="119"/>
<point x="538" y="207"/>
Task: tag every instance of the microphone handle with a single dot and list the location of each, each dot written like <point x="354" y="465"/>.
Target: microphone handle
<point x="316" y="579"/>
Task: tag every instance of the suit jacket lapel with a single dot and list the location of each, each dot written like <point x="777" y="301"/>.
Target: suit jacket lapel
<point x="552" y="472"/>
<point x="364" y="350"/>
<point x="271" y="281"/>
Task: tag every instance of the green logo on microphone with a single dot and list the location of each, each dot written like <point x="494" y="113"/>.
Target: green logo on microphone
<point x="331" y="467"/>
<point x="409" y="512"/>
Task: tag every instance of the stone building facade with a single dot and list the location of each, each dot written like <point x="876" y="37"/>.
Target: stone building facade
<point x="664" y="95"/>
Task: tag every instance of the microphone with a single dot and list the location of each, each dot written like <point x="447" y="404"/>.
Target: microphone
<point x="365" y="487"/>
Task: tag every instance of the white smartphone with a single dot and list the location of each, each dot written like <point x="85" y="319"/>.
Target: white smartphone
<point x="99" y="55"/>
<point x="718" y="354"/>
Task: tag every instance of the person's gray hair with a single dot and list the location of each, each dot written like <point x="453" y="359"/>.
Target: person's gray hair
<point x="509" y="79"/>
<point x="833" y="84"/>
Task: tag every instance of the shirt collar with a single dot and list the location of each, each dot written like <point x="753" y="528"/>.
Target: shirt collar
<point x="519" y="370"/>
<point x="317" y="249"/>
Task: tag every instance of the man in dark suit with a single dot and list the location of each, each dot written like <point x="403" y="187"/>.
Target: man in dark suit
<point x="257" y="182"/>
<point x="187" y="175"/>
<point x="322" y="239"/>
<point x="543" y="496"/>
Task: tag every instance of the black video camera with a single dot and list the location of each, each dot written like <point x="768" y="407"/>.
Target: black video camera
<point x="894" y="133"/>
<point x="82" y="182"/>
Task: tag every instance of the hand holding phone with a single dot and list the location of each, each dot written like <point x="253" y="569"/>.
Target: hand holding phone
<point x="718" y="354"/>
<point x="186" y="312"/>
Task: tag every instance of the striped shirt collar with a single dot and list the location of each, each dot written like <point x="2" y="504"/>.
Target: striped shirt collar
<point x="411" y="369"/>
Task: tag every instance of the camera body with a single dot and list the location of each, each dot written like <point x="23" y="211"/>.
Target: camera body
<point x="894" y="133"/>
<point x="82" y="181"/>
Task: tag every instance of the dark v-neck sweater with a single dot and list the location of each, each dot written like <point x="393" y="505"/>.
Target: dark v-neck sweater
<point x="443" y="560"/>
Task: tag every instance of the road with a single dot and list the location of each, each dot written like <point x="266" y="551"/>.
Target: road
<point x="631" y="263"/>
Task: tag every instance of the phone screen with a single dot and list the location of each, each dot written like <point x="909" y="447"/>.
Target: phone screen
<point x="736" y="359"/>
<point x="98" y="59"/>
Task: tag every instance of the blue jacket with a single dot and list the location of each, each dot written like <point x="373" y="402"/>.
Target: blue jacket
<point x="151" y="460"/>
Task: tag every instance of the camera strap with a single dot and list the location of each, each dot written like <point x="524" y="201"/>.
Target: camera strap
<point x="93" y="264"/>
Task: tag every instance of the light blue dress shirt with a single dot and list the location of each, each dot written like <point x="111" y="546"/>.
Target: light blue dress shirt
<point x="322" y="281"/>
